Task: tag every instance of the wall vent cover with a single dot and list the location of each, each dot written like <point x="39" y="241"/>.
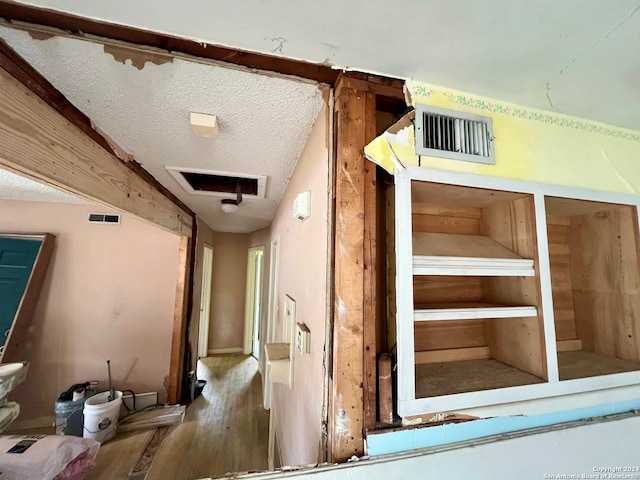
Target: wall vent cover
<point x="109" y="218"/>
<point x="454" y="135"/>
<point x="208" y="182"/>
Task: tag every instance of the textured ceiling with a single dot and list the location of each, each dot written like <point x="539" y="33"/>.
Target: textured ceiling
<point x="16" y="187"/>
<point x="575" y="57"/>
<point x="144" y="107"/>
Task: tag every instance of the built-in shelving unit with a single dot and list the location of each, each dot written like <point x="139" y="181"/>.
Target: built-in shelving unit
<point x="507" y="291"/>
<point x="475" y="292"/>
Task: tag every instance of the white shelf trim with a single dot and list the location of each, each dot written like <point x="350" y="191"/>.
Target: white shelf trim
<point x="470" y="313"/>
<point x="472" y="266"/>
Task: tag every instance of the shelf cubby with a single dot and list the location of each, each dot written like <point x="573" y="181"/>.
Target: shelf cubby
<point x="477" y="322"/>
<point x="595" y="281"/>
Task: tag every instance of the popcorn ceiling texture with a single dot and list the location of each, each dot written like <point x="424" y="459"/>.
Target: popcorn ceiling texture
<point x="17" y="187"/>
<point x="264" y="120"/>
<point x="575" y="58"/>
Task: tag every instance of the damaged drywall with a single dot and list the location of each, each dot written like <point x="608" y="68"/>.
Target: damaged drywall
<point x="530" y="145"/>
<point x="39" y="35"/>
<point x="136" y="58"/>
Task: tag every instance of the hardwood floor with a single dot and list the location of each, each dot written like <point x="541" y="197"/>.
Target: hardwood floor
<point x="225" y="430"/>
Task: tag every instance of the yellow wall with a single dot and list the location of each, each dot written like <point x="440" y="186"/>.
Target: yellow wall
<point x="530" y="144"/>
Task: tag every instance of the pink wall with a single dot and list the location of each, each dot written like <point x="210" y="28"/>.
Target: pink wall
<point x="303" y="276"/>
<point x="226" y="329"/>
<point x="109" y="294"/>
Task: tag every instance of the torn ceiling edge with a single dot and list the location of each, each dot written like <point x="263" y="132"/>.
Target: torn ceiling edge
<point x="30" y="78"/>
<point x="41" y="26"/>
<point x="530" y="145"/>
<point x="157" y="54"/>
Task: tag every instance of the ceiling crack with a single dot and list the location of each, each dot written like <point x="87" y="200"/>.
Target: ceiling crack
<point x="590" y="49"/>
<point x="549" y="96"/>
<point x="280" y="41"/>
<point x="623" y="22"/>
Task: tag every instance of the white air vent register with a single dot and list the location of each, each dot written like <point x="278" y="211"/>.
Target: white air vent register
<point x="455" y="135"/>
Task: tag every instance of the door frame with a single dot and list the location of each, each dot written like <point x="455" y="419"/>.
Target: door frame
<point x="254" y="283"/>
<point x="205" y="300"/>
<point x="272" y="313"/>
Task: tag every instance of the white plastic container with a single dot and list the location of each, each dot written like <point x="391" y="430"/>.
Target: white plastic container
<point x="101" y="416"/>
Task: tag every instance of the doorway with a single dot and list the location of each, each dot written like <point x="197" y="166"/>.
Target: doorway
<point x="253" y="308"/>
<point x="205" y="301"/>
<point x="272" y="313"/>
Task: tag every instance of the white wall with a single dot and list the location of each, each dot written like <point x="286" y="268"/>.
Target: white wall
<point x="109" y="294"/>
<point x="567" y="450"/>
<point x="302" y="275"/>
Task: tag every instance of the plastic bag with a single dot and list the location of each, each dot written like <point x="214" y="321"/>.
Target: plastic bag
<point x="46" y="457"/>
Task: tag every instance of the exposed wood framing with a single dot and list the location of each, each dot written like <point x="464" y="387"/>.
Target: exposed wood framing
<point x="385" y="379"/>
<point x="354" y="110"/>
<point x="41" y="144"/>
<point x="178" y="336"/>
<point x="48" y="139"/>
<point x="389" y="90"/>
<point x="34" y="81"/>
<point x="85" y="26"/>
<point x="370" y="277"/>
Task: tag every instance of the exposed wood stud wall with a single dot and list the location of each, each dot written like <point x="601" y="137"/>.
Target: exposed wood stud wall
<point x="370" y="272"/>
<point x="354" y="272"/>
<point x="178" y="336"/>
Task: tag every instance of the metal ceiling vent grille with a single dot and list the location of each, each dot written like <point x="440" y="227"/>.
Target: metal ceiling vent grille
<point x="454" y="135"/>
<point x="109" y="218"/>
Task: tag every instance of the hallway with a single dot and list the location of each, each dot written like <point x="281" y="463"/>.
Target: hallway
<point x="225" y="429"/>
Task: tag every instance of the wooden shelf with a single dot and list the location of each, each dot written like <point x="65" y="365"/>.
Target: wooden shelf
<point x="435" y="379"/>
<point x="469" y="311"/>
<point x="475" y="255"/>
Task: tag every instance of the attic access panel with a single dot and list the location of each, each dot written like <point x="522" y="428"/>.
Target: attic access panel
<point x="218" y="183"/>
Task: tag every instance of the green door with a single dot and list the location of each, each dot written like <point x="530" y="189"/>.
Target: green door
<point x="17" y="257"/>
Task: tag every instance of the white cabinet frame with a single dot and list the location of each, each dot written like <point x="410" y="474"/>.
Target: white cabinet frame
<point x="408" y="404"/>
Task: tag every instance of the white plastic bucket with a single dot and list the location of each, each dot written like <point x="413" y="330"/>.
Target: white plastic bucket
<point x="101" y="416"/>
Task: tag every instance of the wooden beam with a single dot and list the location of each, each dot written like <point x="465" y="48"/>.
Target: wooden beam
<point x="370" y="276"/>
<point x="385" y="379"/>
<point x="34" y="81"/>
<point x="346" y="411"/>
<point x="41" y="144"/>
<point x="84" y="26"/>
<point x="178" y="337"/>
<point x="389" y="89"/>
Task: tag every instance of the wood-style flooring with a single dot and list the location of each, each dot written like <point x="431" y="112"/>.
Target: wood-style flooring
<point x="225" y="430"/>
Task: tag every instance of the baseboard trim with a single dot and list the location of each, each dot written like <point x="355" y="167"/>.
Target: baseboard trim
<point x="218" y="351"/>
<point x="38" y="422"/>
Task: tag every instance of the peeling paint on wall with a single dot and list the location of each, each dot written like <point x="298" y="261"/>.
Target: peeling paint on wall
<point x="136" y="58"/>
<point x="36" y="35"/>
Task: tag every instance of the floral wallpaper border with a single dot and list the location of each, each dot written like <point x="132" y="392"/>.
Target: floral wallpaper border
<point x="527" y="114"/>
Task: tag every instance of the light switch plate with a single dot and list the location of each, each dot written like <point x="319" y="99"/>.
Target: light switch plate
<point x="302" y="206"/>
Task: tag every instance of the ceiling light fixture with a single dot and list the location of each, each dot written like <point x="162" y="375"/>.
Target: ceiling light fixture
<point x="230" y="205"/>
